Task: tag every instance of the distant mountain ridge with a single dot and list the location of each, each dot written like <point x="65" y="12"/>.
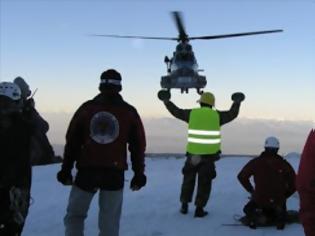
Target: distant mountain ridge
<point x="169" y="135"/>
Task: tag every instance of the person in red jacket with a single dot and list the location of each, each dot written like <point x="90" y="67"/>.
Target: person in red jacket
<point x="274" y="180"/>
<point x="305" y="183"/>
<point x="97" y="140"/>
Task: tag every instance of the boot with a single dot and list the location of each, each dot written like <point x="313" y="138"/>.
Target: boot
<point x="199" y="212"/>
<point x="184" y="208"/>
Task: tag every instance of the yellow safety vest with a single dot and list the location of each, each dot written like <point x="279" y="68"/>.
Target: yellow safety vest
<point x="204" y="136"/>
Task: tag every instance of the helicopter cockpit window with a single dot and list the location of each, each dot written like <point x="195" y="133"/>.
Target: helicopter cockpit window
<point x="188" y="47"/>
<point x="183" y="47"/>
<point x="185" y="57"/>
<point x="179" y="47"/>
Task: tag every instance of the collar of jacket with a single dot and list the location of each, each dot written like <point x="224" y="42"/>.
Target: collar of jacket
<point x="108" y="98"/>
<point x="266" y="154"/>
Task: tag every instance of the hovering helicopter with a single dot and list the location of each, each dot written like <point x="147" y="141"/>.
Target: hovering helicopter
<point x="182" y="68"/>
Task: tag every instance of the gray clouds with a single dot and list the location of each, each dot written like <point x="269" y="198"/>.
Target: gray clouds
<point x="168" y="135"/>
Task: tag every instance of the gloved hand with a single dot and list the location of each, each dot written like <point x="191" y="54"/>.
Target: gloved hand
<point x="138" y="181"/>
<point x="238" y="97"/>
<point x="164" y="95"/>
<point x="64" y="177"/>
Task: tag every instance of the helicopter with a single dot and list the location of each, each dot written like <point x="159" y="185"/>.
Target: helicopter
<point x="182" y="68"/>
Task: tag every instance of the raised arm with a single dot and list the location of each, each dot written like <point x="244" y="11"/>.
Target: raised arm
<point x="182" y="114"/>
<point x="228" y="116"/>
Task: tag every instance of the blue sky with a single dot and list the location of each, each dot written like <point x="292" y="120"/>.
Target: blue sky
<point x="48" y="43"/>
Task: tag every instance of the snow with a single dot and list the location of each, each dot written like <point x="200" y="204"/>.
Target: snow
<point x="154" y="210"/>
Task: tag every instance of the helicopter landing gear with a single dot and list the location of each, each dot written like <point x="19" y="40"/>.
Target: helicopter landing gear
<point x="182" y="90"/>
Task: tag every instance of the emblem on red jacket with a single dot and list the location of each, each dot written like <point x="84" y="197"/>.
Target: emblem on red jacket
<point x="104" y="127"/>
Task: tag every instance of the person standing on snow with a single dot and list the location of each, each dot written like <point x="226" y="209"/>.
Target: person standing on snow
<point x="15" y="168"/>
<point x="97" y="140"/>
<point x="305" y="183"/>
<point x="274" y="180"/>
<point x="42" y="152"/>
<point x="203" y="147"/>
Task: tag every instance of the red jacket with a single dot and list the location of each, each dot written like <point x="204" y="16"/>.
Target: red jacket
<point x="82" y="148"/>
<point x="274" y="179"/>
<point x="306" y="175"/>
<point x="305" y="183"/>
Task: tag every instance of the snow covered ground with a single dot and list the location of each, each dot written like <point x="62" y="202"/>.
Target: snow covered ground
<point x="154" y="210"/>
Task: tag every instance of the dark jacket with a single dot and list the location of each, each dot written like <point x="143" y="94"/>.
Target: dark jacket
<point x="274" y="179"/>
<point x="15" y="167"/>
<point x="42" y="152"/>
<point x="305" y="183"/>
<point x="306" y="175"/>
<point x="88" y="154"/>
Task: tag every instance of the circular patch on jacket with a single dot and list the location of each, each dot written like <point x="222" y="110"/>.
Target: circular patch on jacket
<point x="104" y="127"/>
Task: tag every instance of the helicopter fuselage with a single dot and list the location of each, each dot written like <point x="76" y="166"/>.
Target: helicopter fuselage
<point x="182" y="70"/>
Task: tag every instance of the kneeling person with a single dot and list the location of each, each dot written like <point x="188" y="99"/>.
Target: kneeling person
<point x="274" y="180"/>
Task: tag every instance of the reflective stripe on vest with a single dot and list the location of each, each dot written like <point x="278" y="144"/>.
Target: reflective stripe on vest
<point x="204" y="136"/>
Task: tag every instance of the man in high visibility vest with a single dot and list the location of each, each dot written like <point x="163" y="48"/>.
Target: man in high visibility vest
<point x="203" y="145"/>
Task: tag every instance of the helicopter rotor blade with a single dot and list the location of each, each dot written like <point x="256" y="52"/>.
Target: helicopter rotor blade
<point x="132" y="37"/>
<point x="180" y="26"/>
<point x="236" y="35"/>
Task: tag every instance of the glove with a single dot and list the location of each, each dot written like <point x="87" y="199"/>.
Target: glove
<point x="138" y="181"/>
<point x="64" y="177"/>
<point x="238" y="97"/>
<point x="164" y="95"/>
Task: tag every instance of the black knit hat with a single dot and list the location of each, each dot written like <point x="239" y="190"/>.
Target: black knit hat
<point x="110" y="80"/>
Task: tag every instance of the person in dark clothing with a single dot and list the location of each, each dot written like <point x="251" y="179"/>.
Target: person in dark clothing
<point x="15" y="168"/>
<point x="305" y="184"/>
<point x="97" y="140"/>
<point x="203" y="147"/>
<point x="274" y="180"/>
<point x="42" y="152"/>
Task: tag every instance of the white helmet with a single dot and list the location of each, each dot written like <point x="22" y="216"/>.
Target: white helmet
<point x="10" y="90"/>
<point x="272" y="142"/>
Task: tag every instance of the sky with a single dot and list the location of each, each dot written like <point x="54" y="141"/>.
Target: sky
<point x="49" y="44"/>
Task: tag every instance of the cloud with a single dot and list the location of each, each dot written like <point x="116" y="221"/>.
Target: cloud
<point x="242" y="136"/>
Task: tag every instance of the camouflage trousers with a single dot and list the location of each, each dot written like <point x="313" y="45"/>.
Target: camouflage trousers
<point x="14" y="204"/>
<point x="204" y="171"/>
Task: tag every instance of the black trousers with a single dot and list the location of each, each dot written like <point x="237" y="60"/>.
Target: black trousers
<point x="205" y="172"/>
<point x="14" y="204"/>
